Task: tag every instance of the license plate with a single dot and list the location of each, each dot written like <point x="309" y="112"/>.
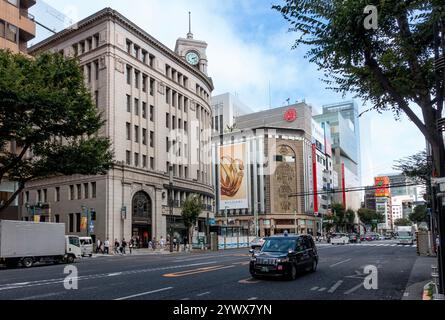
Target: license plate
<point x="265" y="269"/>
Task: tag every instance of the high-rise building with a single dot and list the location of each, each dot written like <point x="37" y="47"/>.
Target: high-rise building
<point x="156" y="104"/>
<point x="343" y="119"/>
<point x="226" y="107"/>
<point x="17" y="26"/>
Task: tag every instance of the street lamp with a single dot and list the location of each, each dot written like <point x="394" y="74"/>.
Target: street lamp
<point x="295" y="221"/>
<point x="170" y="203"/>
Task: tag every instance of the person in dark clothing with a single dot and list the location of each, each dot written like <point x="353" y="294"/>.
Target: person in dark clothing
<point x="124" y="245"/>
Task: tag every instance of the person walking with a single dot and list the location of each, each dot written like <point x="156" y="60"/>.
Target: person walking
<point x="175" y="241"/>
<point x="116" y="246"/>
<point x="131" y="245"/>
<point x="162" y="243"/>
<point x="124" y="245"/>
<point x="107" y="246"/>
<point x="98" y="245"/>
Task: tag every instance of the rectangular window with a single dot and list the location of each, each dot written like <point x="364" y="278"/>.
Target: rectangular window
<point x="86" y="190"/>
<point x="136" y="51"/>
<point x="57" y="217"/>
<point x="82" y="47"/>
<point x="136" y="134"/>
<point x="96" y="69"/>
<point x="136" y="79"/>
<point x="167" y="95"/>
<point x="129" y="45"/>
<point x="152" y="111"/>
<point x="128" y="131"/>
<point x="89" y="72"/>
<point x="129" y="69"/>
<point x="96" y="98"/>
<point x="144" y="56"/>
<point x="79" y="191"/>
<point x="151" y="60"/>
<point x="39" y="196"/>
<point x="77" y="222"/>
<point x="96" y="40"/>
<point x="167" y="120"/>
<point x="167" y="144"/>
<point x="128" y="103"/>
<point x="93" y="190"/>
<point x="27" y="197"/>
<point x="136" y="106"/>
<point x="144" y="161"/>
<point x="144" y="137"/>
<point x="71" y="222"/>
<point x="186" y="104"/>
<point x="128" y="158"/>
<point x="144" y="110"/>
<point x="136" y="159"/>
<point x="186" y="172"/>
<point x="152" y="87"/>
<point x="173" y="122"/>
<point x="185" y="126"/>
<point x="45" y="195"/>
<point x="152" y="135"/>
<point x="144" y="83"/>
<point x="90" y="43"/>
<point x="174" y="95"/>
<point x="71" y="192"/>
<point x="2" y="29"/>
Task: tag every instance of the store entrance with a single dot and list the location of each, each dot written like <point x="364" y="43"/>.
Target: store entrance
<point x="141" y="219"/>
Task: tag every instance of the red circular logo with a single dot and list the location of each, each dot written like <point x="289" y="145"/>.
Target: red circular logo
<point x="290" y="115"/>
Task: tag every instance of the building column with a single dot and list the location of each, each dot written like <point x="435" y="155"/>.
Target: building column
<point x="159" y="220"/>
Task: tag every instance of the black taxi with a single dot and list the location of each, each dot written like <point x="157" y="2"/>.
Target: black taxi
<point x="284" y="255"/>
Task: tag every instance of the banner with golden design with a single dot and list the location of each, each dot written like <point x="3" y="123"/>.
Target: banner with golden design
<point x="83" y="223"/>
<point x="233" y="177"/>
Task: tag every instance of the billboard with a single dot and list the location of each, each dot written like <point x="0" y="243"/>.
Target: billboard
<point x="233" y="177"/>
<point x="382" y="187"/>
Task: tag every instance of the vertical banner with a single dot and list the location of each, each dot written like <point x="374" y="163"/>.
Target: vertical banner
<point x="83" y="223"/>
<point x="343" y="184"/>
<point x="36" y="218"/>
<point x="233" y="177"/>
<point x="314" y="178"/>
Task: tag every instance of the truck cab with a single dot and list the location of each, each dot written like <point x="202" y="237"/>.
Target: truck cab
<point x="72" y="248"/>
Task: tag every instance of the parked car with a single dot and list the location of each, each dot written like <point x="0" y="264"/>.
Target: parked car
<point x="340" y="238"/>
<point x="354" y="238"/>
<point x="362" y="237"/>
<point x="86" y="246"/>
<point x="284" y="255"/>
<point x="257" y="243"/>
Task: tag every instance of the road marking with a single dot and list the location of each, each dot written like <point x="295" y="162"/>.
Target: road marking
<point x="336" y="264"/>
<point x="185" y="299"/>
<point x="41" y="296"/>
<point x="203" y="294"/>
<point x="144" y="294"/>
<point x="406" y="294"/>
<point x="321" y="289"/>
<point x="253" y="298"/>
<point x="115" y="274"/>
<point x="244" y="263"/>
<point x="335" y="286"/>
<point x="249" y="281"/>
<point x="354" y="289"/>
<point x="195" y="271"/>
<point x="314" y="288"/>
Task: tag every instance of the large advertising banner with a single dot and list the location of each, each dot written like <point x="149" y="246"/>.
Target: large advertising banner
<point x="233" y="177"/>
<point x="382" y="187"/>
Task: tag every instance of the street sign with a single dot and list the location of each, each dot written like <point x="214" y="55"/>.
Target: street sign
<point x="212" y="221"/>
<point x="91" y="227"/>
<point x="124" y="212"/>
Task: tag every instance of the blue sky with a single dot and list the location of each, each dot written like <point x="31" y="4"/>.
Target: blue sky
<point x="249" y="46"/>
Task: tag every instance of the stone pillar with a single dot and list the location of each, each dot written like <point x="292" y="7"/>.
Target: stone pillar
<point x="159" y="220"/>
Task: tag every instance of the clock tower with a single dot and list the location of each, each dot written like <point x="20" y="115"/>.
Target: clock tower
<point x="192" y="51"/>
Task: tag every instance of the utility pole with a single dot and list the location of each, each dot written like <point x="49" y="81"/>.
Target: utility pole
<point x="170" y="203"/>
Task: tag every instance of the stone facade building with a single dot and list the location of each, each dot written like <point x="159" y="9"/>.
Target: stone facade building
<point x="156" y="103"/>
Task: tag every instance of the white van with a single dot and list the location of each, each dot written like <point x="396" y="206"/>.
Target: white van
<point x="86" y="245"/>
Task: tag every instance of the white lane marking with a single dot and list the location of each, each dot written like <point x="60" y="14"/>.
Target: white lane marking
<point x="13" y="286"/>
<point x="115" y="274"/>
<point x="41" y="296"/>
<point x="314" y="288"/>
<point x="336" y="264"/>
<point x="253" y="298"/>
<point x="335" y="286"/>
<point x="203" y="294"/>
<point x="406" y="294"/>
<point x="321" y="289"/>
<point x="185" y="299"/>
<point x="143" y="294"/>
<point x="354" y="289"/>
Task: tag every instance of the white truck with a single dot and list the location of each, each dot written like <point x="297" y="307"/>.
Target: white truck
<point x="25" y="243"/>
<point x="406" y="234"/>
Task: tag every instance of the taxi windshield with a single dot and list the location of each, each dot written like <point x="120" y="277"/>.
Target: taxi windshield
<point x="279" y="245"/>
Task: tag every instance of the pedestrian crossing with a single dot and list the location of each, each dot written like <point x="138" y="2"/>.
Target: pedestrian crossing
<point x="324" y="245"/>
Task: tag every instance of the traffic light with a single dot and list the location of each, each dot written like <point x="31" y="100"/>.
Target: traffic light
<point x="93" y="215"/>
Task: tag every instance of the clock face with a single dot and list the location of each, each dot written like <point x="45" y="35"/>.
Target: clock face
<point x="192" y="58"/>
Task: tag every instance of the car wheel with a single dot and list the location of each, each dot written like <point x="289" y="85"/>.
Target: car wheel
<point x="293" y="273"/>
<point x="70" y="259"/>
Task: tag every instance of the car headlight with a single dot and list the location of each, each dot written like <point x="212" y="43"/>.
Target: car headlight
<point x="281" y="260"/>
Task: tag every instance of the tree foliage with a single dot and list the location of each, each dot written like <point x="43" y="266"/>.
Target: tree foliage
<point x="392" y="68"/>
<point x="416" y="167"/>
<point x="47" y="112"/>
<point x="419" y="214"/>
<point x="402" y="222"/>
<point x="191" y="209"/>
<point x="370" y="217"/>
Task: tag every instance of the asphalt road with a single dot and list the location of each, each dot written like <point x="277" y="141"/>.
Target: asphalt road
<point x="218" y="276"/>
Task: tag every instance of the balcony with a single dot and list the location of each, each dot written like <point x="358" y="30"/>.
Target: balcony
<point x="27" y="25"/>
<point x="25" y="4"/>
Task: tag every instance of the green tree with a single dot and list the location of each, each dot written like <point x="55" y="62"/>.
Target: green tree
<point x="402" y="222"/>
<point x="191" y="209"/>
<point x="46" y="109"/>
<point x="416" y="167"/>
<point x="395" y="67"/>
<point x="349" y="217"/>
<point x="370" y="217"/>
<point x="420" y="214"/>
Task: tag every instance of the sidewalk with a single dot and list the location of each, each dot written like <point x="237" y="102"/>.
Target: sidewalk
<point x="148" y="252"/>
<point x="419" y="277"/>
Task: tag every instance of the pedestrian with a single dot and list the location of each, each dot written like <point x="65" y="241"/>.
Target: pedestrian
<point x="98" y="245"/>
<point x="174" y="243"/>
<point x="124" y="245"/>
<point x="116" y="246"/>
<point x="107" y="246"/>
<point x="162" y="243"/>
<point x="131" y="245"/>
<point x="154" y="244"/>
